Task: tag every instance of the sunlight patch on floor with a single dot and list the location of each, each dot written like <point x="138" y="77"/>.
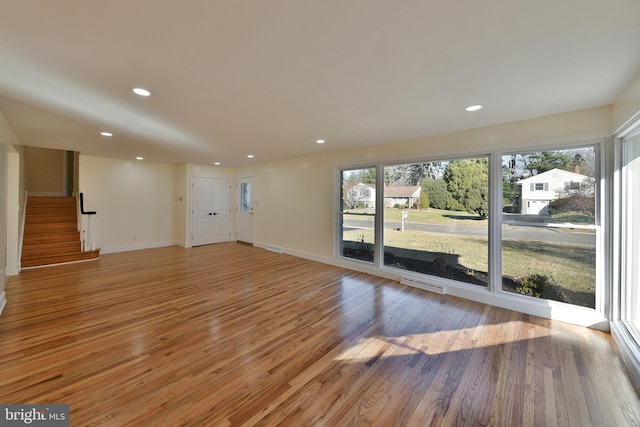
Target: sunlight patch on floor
<point x="442" y="341"/>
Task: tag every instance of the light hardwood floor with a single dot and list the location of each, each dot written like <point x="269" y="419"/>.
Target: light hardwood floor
<point x="229" y="334"/>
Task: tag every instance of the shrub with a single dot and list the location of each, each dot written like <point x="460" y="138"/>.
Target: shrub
<point x="574" y="203"/>
<point x="541" y="286"/>
<point x="533" y="285"/>
<point x="436" y="192"/>
<point x="454" y="205"/>
<point x="424" y="201"/>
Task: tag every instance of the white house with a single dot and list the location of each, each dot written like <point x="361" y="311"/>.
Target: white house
<point x="362" y="195"/>
<point x="401" y="195"/>
<point x="540" y="190"/>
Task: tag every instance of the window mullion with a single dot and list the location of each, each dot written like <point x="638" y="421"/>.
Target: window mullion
<point x="378" y="255"/>
<point x="495" y="222"/>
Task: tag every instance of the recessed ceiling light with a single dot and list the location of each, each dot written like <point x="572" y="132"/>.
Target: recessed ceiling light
<point x="141" y="91"/>
<point x="216" y="163"/>
<point x="106" y="134"/>
<point x="319" y="141"/>
<point x="250" y="156"/>
<point x="473" y="107"/>
<point x="139" y="158"/>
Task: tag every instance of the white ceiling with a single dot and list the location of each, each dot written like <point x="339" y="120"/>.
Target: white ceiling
<point x="231" y="78"/>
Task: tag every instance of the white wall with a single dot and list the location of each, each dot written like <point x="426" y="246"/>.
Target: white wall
<point x="136" y="202"/>
<point x="45" y="171"/>
<point x="181" y="223"/>
<point x="4" y="149"/>
<point x="14" y="201"/>
<point x="627" y="106"/>
<point x="7" y="139"/>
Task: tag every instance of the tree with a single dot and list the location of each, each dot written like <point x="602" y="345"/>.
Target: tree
<point x="412" y="174"/>
<point x="366" y="176"/>
<point x="468" y="185"/>
<point x="403" y="175"/>
<point x="510" y="189"/>
<point x="437" y="191"/>
<point x="544" y="161"/>
<point x="580" y="198"/>
<point x="357" y="196"/>
<point x="424" y="200"/>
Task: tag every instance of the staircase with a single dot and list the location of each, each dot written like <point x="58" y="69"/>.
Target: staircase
<point x="51" y="233"/>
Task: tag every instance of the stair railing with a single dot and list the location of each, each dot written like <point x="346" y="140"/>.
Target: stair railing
<point x="88" y="241"/>
<point x="22" y="223"/>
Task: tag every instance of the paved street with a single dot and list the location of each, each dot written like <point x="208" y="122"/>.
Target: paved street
<point x="543" y="234"/>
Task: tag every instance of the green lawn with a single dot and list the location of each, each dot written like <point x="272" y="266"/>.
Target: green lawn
<point x="571" y="267"/>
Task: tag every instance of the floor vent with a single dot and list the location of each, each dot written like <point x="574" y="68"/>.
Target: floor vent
<point x="423" y="284"/>
<point x="274" y="249"/>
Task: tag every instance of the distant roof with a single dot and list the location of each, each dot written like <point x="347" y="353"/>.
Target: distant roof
<point x="401" y="191"/>
<point x="350" y="185"/>
<point x="554" y="173"/>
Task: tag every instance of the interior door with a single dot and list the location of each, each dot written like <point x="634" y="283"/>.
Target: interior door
<point x="201" y="211"/>
<point x="210" y="210"/>
<point x="244" y="210"/>
<point x="221" y="210"/>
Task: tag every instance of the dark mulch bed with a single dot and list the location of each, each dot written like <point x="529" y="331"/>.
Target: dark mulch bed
<point x="440" y="266"/>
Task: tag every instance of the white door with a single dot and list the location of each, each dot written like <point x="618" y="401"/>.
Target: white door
<point x="244" y="210"/>
<point x="201" y="211"/>
<point x="221" y="210"/>
<point x="210" y="210"/>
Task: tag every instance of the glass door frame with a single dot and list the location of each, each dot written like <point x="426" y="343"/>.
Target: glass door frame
<point x="627" y="344"/>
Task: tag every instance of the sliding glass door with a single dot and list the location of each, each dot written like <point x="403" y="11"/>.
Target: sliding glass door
<point x="631" y="235"/>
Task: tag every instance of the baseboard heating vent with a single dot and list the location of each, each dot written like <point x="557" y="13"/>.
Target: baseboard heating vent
<point x="423" y="284"/>
<point x="274" y="249"/>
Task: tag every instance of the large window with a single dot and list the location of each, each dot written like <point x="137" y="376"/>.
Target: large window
<point x="631" y="235"/>
<point x="435" y="218"/>
<point x="549" y="224"/>
<point x="537" y="236"/>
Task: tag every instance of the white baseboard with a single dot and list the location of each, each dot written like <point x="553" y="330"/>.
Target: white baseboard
<point x="299" y="254"/>
<point x="628" y="350"/>
<point x="3" y="301"/>
<point x="136" y="247"/>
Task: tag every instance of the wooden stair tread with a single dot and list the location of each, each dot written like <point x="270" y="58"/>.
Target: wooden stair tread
<point x="50" y="201"/>
<point x="50" y="249"/>
<point x="51" y="233"/>
<point x="51" y="218"/>
<point x="44" y="228"/>
<point x="51" y="210"/>
<point x="54" y="237"/>
<point x="62" y="254"/>
<point x="61" y="258"/>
